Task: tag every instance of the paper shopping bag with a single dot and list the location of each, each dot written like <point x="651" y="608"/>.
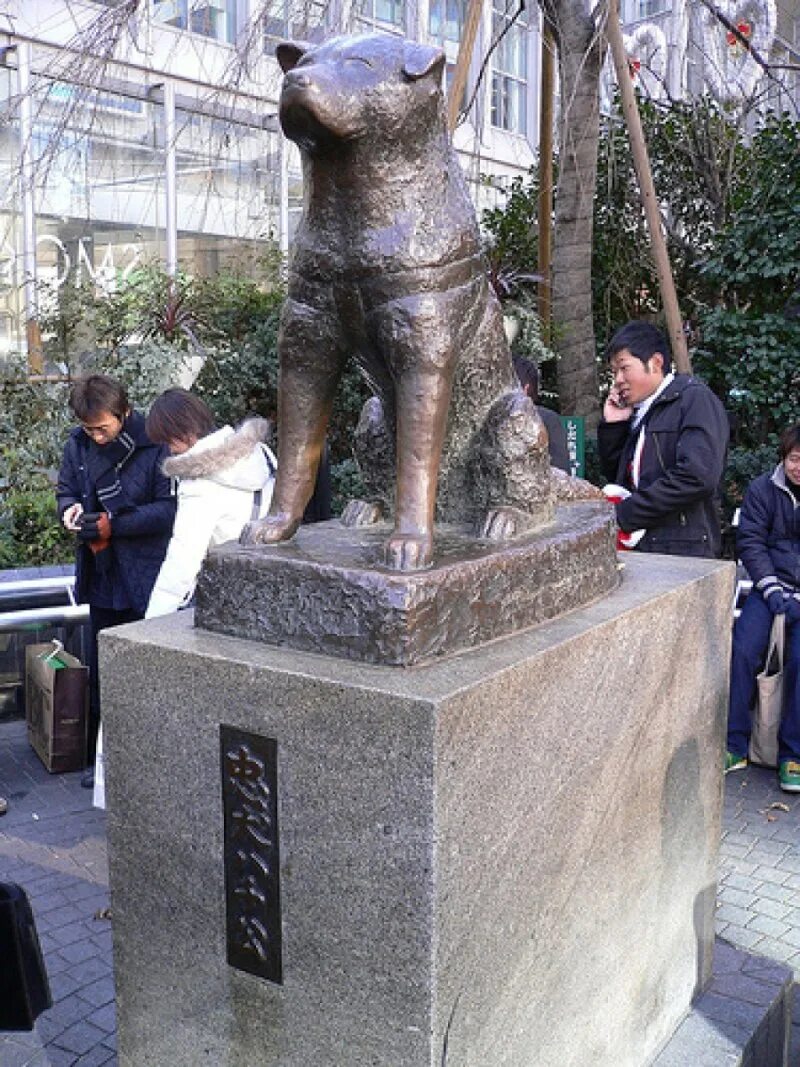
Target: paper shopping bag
<point x="56" y="698"/>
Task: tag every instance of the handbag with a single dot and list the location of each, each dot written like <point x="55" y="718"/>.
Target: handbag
<point x="768" y="708"/>
<point x="24" y="988"/>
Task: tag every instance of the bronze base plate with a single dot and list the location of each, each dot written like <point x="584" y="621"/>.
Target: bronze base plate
<point x="326" y="590"/>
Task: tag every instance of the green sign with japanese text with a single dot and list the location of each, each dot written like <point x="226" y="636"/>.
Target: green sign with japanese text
<point x="576" y="443"/>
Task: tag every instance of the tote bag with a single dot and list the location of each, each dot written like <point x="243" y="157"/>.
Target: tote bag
<point x="769" y="700"/>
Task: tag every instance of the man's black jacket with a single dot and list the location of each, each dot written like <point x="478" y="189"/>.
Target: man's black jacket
<point x="139" y="534"/>
<point x="686" y="440"/>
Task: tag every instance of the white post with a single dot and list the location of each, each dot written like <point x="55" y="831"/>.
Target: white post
<point x="171" y="175"/>
<point x="26" y="192"/>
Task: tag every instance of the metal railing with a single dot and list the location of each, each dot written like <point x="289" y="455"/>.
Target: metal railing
<point x="31" y="602"/>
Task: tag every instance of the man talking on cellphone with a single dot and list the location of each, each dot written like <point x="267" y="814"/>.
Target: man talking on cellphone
<point x="663" y="439"/>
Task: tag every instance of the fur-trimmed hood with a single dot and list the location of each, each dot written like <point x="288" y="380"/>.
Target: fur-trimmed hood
<point x="227" y="456"/>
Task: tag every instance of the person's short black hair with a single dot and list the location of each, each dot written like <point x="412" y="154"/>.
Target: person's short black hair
<point x="789" y="439"/>
<point x="95" y="394"/>
<point x="642" y="340"/>
<point x="178" y="415"/>
<point x="528" y="373"/>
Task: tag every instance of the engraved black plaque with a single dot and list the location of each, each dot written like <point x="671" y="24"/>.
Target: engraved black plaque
<point x="252" y="869"/>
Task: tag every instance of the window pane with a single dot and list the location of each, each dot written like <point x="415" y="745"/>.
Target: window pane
<point x="276" y="24"/>
<point x="211" y="18"/>
<point x="305" y="20"/>
<point x="228" y="192"/>
<point x="389" y="13"/>
<point x="100" y="166"/>
<point x="172" y="12"/>
<point x="510" y="69"/>
<point x="446" y="19"/>
<point x="308" y="19"/>
<point x="646" y="9"/>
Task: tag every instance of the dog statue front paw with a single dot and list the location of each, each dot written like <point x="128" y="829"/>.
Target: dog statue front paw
<point x="408" y="552"/>
<point x="269" y="531"/>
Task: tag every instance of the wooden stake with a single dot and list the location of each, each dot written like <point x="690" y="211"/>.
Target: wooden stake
<point x="641" y="162"/>
<point x="545" y="234"/>
<point x="461" y="73"/>
<point x="33" y="338"/>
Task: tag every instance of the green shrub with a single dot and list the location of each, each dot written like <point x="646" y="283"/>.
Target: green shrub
<point x="30" y="533"/>
<point x="346" y="484"/>
<point x="744" y="465"/>
<point x="241" y="380"/>
<point x="35" y="422"/>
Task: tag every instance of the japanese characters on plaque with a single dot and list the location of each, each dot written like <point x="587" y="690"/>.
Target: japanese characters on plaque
<point x="252" y="868"/>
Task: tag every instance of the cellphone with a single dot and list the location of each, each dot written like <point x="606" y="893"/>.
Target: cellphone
<point x="88" y="518"/>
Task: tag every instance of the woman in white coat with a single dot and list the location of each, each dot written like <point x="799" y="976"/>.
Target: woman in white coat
<point x="225" y="479"/>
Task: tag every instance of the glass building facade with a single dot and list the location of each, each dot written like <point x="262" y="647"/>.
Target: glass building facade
<point x="100" y="195"/>
<point x="168" y="149"/>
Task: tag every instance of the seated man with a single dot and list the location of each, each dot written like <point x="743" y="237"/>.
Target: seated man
<point x="768" y="545"/>
<point x="664" y="438"/>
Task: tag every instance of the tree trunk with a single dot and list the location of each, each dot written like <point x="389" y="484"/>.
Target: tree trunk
<point x="581" y="49"/>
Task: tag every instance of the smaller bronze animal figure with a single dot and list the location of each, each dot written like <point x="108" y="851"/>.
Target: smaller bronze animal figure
<point x="387" y="269"/>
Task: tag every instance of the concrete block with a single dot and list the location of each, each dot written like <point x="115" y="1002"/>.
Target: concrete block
<point x="504" y="858"/>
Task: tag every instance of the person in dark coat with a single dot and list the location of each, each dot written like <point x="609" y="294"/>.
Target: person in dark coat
<point x="530" y="380"/>
<point x="664" y="438"/>
<point x="113" y="495"/>
<point x="768" y="544"/>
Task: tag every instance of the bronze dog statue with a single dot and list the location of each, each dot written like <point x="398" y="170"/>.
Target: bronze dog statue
<point x="387" y="269"/>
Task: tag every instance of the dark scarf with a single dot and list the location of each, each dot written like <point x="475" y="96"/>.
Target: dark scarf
<point x="106" y="461"/>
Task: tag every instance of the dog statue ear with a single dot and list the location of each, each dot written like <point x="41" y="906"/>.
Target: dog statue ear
<point x="420" y="60"/>
<point x="289" y="54"/>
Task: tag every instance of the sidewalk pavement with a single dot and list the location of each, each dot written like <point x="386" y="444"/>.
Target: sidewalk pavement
<point x="758" y="895"/>
<point x="52" y="841"/>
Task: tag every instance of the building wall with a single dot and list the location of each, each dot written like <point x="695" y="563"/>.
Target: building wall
<point x="91" y="135"/>
<point x="679" y="49"/>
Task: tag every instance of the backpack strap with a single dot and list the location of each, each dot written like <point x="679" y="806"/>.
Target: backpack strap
<point x="256" y="511"/>
<point x="258" y="493"/>
<point x="268" y="458"/>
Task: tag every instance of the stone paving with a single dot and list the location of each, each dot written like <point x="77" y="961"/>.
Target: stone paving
<point x="758" y="899"/>
<point x="52" y="841"/>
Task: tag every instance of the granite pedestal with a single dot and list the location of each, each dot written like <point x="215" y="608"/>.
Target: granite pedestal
<point x="506" y="858"/>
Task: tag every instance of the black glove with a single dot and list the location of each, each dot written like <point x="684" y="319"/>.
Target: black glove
<point x="792" y="609"/>
<point x="776" y="601"/>
<point x="88" y="530"/>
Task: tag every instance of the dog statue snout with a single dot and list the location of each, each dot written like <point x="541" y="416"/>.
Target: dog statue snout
<point x="296" y="79"/>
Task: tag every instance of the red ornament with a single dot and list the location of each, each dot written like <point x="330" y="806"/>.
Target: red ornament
<point x="745" y="30"/>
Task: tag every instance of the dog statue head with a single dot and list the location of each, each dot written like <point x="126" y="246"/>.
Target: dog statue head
<point x="374" y="86"/>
